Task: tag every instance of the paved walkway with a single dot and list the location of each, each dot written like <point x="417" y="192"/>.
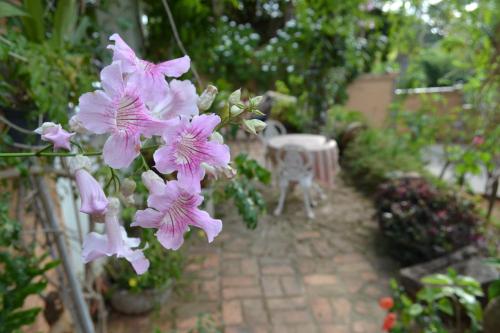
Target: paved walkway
<point x="289" y="275"/>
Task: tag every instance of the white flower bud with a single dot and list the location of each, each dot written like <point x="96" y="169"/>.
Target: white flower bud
<point x="152" y="181"/>
<point x="127" y="187"/>
<point x="79" y="162"/>
<point x="207" y="97"/>
<point x="255" y="101"/>
<point x="254" y="126"/>
<point x="217" y="137"/>
<point x="76" y="125"/>
<point x="229" y="172"/>
<point x="236" y="110"/>
<point x="209" y="169"/>
<point x="45" y="126"/>
<point x="235" y="97"/>
<point x="113" y="207"/>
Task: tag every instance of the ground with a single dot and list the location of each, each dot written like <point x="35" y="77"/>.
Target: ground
<point x="288" y="275"/>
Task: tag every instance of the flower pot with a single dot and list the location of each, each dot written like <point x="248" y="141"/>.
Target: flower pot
<point x="134" y="303"/>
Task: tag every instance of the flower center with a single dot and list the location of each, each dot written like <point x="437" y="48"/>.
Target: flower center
<point x="129" y="114"/>
<point x="186" y="148"/>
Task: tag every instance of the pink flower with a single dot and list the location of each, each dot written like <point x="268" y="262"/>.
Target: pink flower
<point x="172" y="209"/>
<point x="146" y="75"/>
<point x="54" y="133"/>
<point x="178" y="99"/>
<point x="119" y="110"/>
<point x="477" y="140"/>
<point x="188" y="146"/>
<point x="93" y="199"/>
<point x="115" y="242"/>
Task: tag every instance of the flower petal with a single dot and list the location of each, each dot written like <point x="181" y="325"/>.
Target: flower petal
<point x="164" y="160"/>
<point x="205" y="123"/>
<point x="175" y="67"/>
<point x="212" y="227"/>
<point x="219" y="154"/>
<point x="180" y="100"/>
<point x="121" y="149"/>
<point x="147" y="218"/>
<point x="94" y="246"/>
<point x="93" y="199"/>
<point x="171" y="237"/>
<point x="112" y="79"/>
<point x="96" y="113"/>
<point x="123" y="52"/>
<point x="138" y="261"/>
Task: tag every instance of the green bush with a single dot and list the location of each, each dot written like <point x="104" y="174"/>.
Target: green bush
<point x="374" y="155"/>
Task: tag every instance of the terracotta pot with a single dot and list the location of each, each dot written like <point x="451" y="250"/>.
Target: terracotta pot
<point x="133" y="303"/>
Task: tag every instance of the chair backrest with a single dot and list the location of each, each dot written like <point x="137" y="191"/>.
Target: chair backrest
<point x="273" y="128"/>
<point x="295" y="162"/>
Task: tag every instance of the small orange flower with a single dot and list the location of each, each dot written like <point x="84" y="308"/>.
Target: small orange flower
<point x="386" y="303"/>
<point x="389" y="322"/>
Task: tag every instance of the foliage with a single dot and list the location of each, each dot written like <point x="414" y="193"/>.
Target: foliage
<point x="241" y="189"/>
<point x="423" y="222"/>
<point x="439" y="305"/>
<point x="371" y="158"/>
<point x="338" y="119"/>
<point x="166" y="267"/>
<point x="22" y="274"/>
<point x="43" y="41"/>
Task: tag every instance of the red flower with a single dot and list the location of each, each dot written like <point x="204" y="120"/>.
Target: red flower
<point x="389" y="321"/>
<point x="386" y="303"/>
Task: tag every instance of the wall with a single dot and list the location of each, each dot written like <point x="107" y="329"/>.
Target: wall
<point x="372" y="95"/>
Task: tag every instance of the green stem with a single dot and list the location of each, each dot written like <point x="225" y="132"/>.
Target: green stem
<point x="37" y="153"/>
<point x="34" y="153"/>
<point x="144" y="163"/>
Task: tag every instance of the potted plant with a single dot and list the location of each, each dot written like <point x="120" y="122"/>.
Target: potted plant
<point x="136" y="294"/>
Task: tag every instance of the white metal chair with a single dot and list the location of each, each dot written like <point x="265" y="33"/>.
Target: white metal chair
<point x="273" y="128"/>
<point x="295" y="165"/>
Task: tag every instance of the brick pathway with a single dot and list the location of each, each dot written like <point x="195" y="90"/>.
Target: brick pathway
<point x="289" y="275"/>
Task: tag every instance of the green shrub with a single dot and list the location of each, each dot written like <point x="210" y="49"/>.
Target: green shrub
<point x="374" y="155"/>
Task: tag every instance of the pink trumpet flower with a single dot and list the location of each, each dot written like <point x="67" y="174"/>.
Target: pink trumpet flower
<point x="172" y="209"/>
<point x="119" y="110"/>
<point x="55" y="134"/>
<point x="188" y="146"/>
<point x="179" y="99"/>
<point x="114" y="242"/>
<point x="148" y="76"/>
<point x="93" y="199"/>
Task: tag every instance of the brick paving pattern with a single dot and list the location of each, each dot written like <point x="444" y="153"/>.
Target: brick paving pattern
<point x="288" y="275"/>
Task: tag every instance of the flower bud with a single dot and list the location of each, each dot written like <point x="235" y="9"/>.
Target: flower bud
<point x="152" y="181"/>
<point x="128" y="187"/>
<point x="217" y="137"/>
<point x="76" y="125"/>
<point x="254" y="126"/>
<point x="207" y="97"/>
<point x="55" y="134"/>
<point x="255" y="101"/>
<point x="236" y="110"/>
<point x="235" y="97"/>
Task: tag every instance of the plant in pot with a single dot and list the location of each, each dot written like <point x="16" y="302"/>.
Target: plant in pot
<point x="135" y="294"/>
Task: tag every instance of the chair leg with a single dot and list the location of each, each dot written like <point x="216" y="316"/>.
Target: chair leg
<point x="307" y="202"/>
<point x="281" y="202"/>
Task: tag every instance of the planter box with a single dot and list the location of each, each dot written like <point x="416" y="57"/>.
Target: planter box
<point x="134" y="303"/>
<point x="467" y="261"/>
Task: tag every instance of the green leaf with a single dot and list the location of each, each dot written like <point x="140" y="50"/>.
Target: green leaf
<point x="445" y="306"/>
<point x="33" y="24"/>
<point x="415" y="310"/>
<point x="9" y="10"/>
<point x="437" y="279"/>
<point x="494" y="290"/>
<point x="64" y="22"/>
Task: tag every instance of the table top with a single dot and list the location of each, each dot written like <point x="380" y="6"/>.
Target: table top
<point x="311" y="142"/>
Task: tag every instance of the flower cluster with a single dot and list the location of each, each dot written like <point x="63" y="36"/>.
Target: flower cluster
<point x="136" y="103"/>
<point x="387" y="303"/>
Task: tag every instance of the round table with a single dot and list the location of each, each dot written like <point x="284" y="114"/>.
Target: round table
<point x="324" y="153"/>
